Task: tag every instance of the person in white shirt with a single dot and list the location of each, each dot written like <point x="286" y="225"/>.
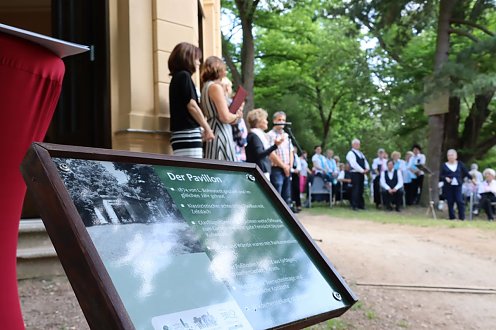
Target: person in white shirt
<point x="487" y="192"/>
<point x="359" y="168"/>
<point x="392" y="187"/>
<point x="418" y="183"/>
<point x="378" y="166"/>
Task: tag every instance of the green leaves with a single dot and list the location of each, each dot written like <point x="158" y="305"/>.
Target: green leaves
<point x="313" y="68"/>
<point x="356" y="68"/>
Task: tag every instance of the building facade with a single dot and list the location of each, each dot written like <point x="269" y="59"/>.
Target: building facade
<point x="140" y="78"/>
<point x="116" y="95"/>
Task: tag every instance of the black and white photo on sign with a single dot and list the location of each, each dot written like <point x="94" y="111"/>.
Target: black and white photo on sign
<point x="107" y="193"/>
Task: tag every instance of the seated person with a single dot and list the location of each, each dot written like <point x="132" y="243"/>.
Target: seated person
<point x="319" y="168"/>
<point x="392" y="187"/>
<point x="469" y="189"/>
<point x="332" y="170"/>
<point x="344" y="178"/>
<point x="474" y="171"/>
<point x="378" y="166"/>
<point x="487" y="192"/>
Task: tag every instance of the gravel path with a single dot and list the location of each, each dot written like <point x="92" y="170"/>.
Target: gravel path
<point x="405" y="277"/>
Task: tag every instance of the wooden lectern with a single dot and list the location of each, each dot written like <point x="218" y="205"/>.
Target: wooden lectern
<point x="31" y="74"/>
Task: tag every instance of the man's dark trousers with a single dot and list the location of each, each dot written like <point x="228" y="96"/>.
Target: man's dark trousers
<point x="357" y="180"/>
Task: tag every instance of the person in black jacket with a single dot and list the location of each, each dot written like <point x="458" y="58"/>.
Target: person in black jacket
<point x="452" y="174"/>
<point x="391" y="183"/>
<point x="258" y="148"/>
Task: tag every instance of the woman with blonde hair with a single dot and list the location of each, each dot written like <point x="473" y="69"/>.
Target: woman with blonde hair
<point x="258" y="148"/>
<point x="215" y="108"/>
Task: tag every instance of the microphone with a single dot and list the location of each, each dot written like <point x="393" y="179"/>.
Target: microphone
<point x="288" y="123"/>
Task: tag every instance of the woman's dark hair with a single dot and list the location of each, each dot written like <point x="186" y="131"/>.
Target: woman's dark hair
<point x="183" y="57"/>
<point x="417" y="146"/>
<point x="212" y="69"/>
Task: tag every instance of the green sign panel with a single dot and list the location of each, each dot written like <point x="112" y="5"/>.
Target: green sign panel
<point x="195" y="248"/>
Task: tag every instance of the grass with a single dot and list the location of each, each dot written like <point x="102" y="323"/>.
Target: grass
<point x="334" y="324"/>
<point x="358" y="305"/>
<point x="412" y="215"/>
<point x="371" y="315"/>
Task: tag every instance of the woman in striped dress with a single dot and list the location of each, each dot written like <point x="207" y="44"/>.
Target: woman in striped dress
<point x="186" y="115"/>
<point x="215" y="108"/>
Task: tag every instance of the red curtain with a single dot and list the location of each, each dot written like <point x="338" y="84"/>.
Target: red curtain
<point x="30" y="83"/>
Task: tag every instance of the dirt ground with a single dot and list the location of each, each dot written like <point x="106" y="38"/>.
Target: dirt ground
<point x="405" y="277"/>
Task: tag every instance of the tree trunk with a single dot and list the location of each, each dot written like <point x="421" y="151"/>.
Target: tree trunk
<point x="451" y="123"/>
<point x="230" y="63"/>
<point x="434" y="152"/>
<point x="246" y="9"/>
<point x="436" y="122"/>
<point x="248" y="62"/>
<point x="471" y="137"/>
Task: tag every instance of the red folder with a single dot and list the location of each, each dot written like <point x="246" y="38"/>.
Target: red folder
<point x="238" y="99"/>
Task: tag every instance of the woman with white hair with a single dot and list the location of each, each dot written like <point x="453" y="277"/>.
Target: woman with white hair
<point x="258" y="148"/>
<point x="487" y="192"/>
<point x="452" y="174"/>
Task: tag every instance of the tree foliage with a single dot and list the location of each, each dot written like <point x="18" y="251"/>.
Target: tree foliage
<point x="316" y="70"/>
<point x="310" y="60"/>
<point x="460" y="62"/>
<point x="407" y="34"/>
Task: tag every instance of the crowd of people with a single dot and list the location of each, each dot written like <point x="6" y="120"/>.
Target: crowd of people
<point x="203" y="125"/>
<point x="393" y="182"/>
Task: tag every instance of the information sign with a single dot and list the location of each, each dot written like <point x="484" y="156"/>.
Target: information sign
<point x="175" y="243"/>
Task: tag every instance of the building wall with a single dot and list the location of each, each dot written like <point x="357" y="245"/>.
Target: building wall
<point x="212" y="43"/>
<point x="142" y="35"/>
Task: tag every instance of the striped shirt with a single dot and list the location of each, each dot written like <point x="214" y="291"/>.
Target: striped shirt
<point x="222" y="146"/>
<point x="285" y="148"/>
<point x="187" y="143"/>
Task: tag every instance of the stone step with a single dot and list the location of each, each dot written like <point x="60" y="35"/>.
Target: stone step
<point x="36" y="256"/>
<point x="32" y="234"/>
<point x="37" y="262"/>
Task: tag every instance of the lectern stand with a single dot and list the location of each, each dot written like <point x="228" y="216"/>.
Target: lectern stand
<point x="31" y="74"/>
